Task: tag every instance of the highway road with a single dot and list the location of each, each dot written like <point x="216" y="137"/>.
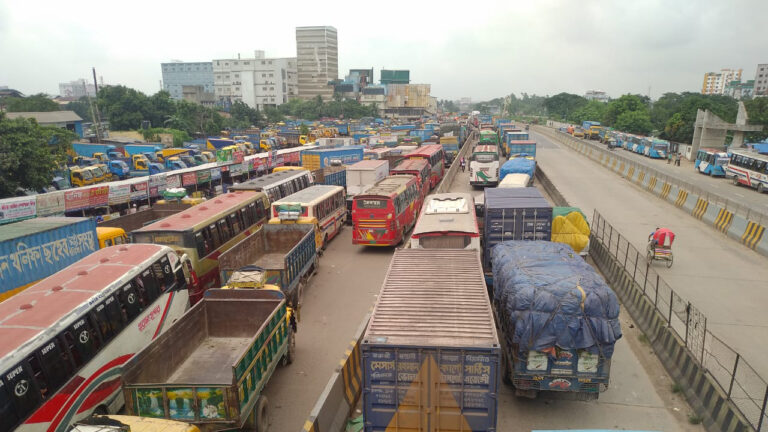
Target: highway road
<point x="344" y="290"/>
<point x="718" y="275"/>
<point x="741" y="195"/>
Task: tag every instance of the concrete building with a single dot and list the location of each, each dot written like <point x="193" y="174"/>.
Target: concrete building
<point x="197" y="94"/>
<point x="465" y="103"/>
<point x="5" y="91"/>
<point x="76" y="89"/>
<point x="391" y="76"/>
<point x="597" y="95"/>
<point x="715" y="82"/>
<point x="64" y="119"/>
<point x="178" y="74"/>
<point x="317" y="55"/>
<point x="409" y="100"/>
<point x="363" y="77"/>
<point x="259" y="82"/>
<point x="739" y="90"/>
<point x="376" y="95"/>
<point x="761" y="80"/>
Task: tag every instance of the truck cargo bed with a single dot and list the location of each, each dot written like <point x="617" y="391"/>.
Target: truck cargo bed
<point x="203" y="365"/>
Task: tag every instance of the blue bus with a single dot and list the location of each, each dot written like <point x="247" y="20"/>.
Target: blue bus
<point x="656" y="148"/>
<point x="711" y="162"/>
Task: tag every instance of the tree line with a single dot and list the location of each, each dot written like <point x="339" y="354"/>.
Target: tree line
<point x="671" y="117"/>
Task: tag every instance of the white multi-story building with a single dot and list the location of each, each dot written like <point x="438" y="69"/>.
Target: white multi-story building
<point x="597" y="95"/>
<point x="761" y="80"/>
<point x="178" y="74"/>
<point x="77" y="89"/>
<point x="715" y="82"/>
<point x="259" y="82"/>
<point x="317" y="54"/>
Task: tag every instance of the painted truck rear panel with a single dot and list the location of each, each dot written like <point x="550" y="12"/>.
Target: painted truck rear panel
<point x="206" y="370"/>
<point x="34" y="249"/>
<point x="431" y="354"/>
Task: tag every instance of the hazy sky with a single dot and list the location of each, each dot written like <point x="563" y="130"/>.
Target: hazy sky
<point x="480" y="49"/>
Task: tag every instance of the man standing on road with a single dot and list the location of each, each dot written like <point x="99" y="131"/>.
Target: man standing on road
<point x="677" y="159"/>
<point x="669" y="158"/>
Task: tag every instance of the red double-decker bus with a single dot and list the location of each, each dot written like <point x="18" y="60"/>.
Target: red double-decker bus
<point x="386" y="212"/>
<point x="435" y="155"/>
<point x="418" y="168"/>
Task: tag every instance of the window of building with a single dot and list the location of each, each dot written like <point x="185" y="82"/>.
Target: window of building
<point x="271" y="75"/>
<point x="264" y="88"/>
<point x="270" y="62"/>
<point x="226" y="64"/>
<point x="235" y="63"/>
<point x="263" y="75"/>
<point x="246" y="63"/>
<point x="237" y="88"/>
<point x="237" y="75"/>
<point x="263" y="62"/>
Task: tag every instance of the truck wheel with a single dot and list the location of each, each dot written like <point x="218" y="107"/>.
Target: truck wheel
<point x="261" y="422"/>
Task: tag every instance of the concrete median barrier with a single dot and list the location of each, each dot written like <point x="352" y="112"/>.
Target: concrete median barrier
<point x="700" y="208"/>
<point x="753" y="234"/>
<point x="737" y="228"/>
<point x="342" y="392"/>
<point x="723" y="220"/>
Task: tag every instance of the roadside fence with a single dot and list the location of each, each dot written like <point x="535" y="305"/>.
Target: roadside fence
<point x="733" y="374"/>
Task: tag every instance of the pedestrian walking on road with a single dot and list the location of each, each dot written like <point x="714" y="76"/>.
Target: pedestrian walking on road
<point x="677" y="159"/>
<point x="669" y="158"/>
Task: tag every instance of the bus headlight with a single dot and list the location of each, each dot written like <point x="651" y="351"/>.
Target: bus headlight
<point x="389" y="216"/>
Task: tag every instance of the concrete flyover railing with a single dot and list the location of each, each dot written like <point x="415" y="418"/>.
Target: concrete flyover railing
<point x="343" y="391"/>
<point x="741" y="223"/>
<point x="720" y="385"/>
<point x="445" y="184"/>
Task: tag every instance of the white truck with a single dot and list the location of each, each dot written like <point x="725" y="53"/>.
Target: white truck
<point x="361" y="176"/>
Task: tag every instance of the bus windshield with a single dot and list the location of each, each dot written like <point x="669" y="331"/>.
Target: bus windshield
<point x="485" y="157"/>
<point x="371" y="204"/>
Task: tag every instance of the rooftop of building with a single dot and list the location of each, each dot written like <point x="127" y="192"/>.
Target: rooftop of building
<point x="47" y="117"/>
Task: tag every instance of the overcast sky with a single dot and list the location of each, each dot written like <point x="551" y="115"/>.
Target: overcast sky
<point x="482" y="49"/>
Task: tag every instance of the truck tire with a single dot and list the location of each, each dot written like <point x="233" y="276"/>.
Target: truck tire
<point x="261" y="417"/>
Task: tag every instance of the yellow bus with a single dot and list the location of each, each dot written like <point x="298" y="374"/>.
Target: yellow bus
<point x="322" y="205"/>
<point x="110" y="236"/>
<point x="121" y="423"/>
<point x="207" y="230"/>
<point x="287" y="168"/>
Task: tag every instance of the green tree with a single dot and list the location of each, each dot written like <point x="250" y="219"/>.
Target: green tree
<point x="303" y="129"/>
<point x="35" y="103"/>
<point x="757" y="110"/>
<point x="593" y="110"/>
<point x="664" y="108"/>
<point x="679" y="126"/>
<point x="273" y="115"/>
<point x="636" y="122"/>
<point x="159" y="107"/>
<point x="560" y="105"/>
<point x="245" y="115"/>
<point x="81" y="107"/>
<point x="29" y="154"/>
<point x="124" y="107"/>
<point x="624" y="104"/>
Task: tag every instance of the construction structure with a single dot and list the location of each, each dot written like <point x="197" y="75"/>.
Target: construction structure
<point x="710" y="130"/>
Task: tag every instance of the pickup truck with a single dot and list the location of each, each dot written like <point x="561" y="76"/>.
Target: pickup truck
<point x="142" y="167"/>
<point x="287" y="253"/>
<point x="210" y="368"/>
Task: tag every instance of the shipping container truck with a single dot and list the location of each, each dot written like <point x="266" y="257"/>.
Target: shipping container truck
<point x="430" y="353"/>
<point x="450" y="148"/>
<point x="514" y="214"/>
<point x="34" y="249"/>
<point x="521" y="148"/>
<point x="364" y="174"/>
<point x="518" y="165"/>
<point x="286" y="253"/>
<point x="313" y="159"/>
<point x="210" y="368"/>
<point x="88" y="150"/>
<point x="331" y="176"/>
<point x="559" y="320"/>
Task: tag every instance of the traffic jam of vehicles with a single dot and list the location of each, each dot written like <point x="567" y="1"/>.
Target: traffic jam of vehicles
<point x="173" y="293"/>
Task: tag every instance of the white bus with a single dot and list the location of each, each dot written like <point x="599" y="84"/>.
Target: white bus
<point x="64" y="340"/>
<point x="324" y="206"/>
<point x="447" y="221"/>
<point x="484" y="166"/>
<point x="748" y="168"/>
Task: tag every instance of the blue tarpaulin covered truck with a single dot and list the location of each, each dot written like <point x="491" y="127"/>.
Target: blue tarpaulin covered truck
<point x="430" y="354"/>
<point x="558" y="318"/>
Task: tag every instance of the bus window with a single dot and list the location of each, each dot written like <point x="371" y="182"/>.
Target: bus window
<point x="56" y="364"/>
<point x="215" y="237"/>
<point x="8" y="414"/>
<point x="21" y="386"/>
<point x="200" y="244"/>
<point x="82" y="336"/>
<point x="224" y="231"/>
<point x="234" y="222"/>
<point x="148" y="283"/>
<point x="107" y="242"/>
<point x="37" y="373"/>
<point x="129" y="303"/>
